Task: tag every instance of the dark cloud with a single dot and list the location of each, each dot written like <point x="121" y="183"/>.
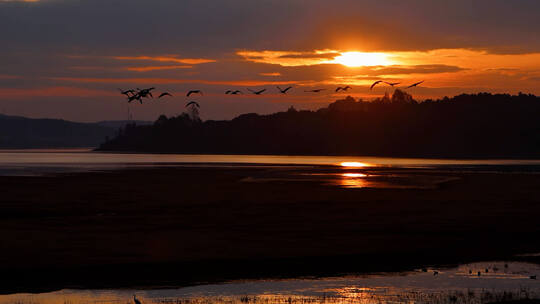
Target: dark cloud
<point x="191" y="27"/>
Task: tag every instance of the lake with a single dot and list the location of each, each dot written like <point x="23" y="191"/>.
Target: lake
<point x="39" y="161"/>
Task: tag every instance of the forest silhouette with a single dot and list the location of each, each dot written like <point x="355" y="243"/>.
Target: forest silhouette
<point x="480" y="125"/>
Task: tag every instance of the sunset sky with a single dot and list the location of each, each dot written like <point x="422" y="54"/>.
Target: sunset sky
<point x="66" y="58"/>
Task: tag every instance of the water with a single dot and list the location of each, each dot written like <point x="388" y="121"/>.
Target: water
<point x="43" y="161"/>
<point x="454" y="285"/>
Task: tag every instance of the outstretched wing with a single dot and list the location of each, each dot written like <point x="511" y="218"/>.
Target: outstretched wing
<point x="415" y="84"/>
<point x="375" y="83"/>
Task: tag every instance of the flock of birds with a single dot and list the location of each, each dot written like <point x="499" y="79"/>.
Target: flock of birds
<point x="141" y="94"/>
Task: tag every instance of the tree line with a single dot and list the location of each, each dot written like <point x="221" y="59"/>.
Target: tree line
<point x="480" y="125"/>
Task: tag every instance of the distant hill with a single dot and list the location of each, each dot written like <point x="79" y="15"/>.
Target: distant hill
<point x="465" y="126"/>
<point x="21" y="132"/>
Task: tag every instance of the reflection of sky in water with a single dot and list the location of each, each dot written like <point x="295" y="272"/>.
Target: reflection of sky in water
<point x="41" y="161"/>
<point x="455" y="285"/>
<point x="377" y="179"/>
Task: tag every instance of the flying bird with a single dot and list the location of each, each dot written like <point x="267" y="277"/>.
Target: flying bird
<point x="343" y="88"/>
<point x="415" y="84"/>
<point x="284" y="91"/>
<point x="375" y="83"/>
<point x="135" y="97"/>
<point x="392" y="83"/>
<point x="194" y="92"/>
<point x="315" y="91"/>
<point x="257" y="92"/>
<point x="235" y="92"/>
<point x="193" y="103"/>
<point x="146" y="92"/>
<point x="136" y="300"/>
<point x="127" y="92"/>
<point x="165" y="94"/>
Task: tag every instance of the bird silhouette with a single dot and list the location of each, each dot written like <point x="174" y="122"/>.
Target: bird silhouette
<point x="165" y="94"/>
<point x="135" y="97"/>
<point x="145" y="92"/>
<point x="284" y="91"/>
<point x="392" y="83"/>
<point x="343" y="88"/>
<point x="375" y="83"/>
<point x="136" y="300"/>
<point x="127" y="92"/>
<point x="194" y="92"/>
<point x="236" y="92"/>
<point x="415" y="84"/>
<point x="193" y="103"/>
<point x="257" y="92"/>
<point x="315" y="91"/>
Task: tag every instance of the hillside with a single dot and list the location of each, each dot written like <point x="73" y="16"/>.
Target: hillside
<point x="20" y="132"/>
<point x="465" y="126"/>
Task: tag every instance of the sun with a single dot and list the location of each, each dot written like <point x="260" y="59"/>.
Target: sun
<point x="358" y="59"/>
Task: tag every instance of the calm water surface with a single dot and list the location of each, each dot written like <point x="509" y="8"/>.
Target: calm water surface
<point x="61" y="160"/>
<point x="497" y="281"/>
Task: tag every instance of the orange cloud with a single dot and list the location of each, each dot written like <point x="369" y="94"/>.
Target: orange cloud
<point x="289" y="58"/>
<point x="166" y="59"/>
<point x="270" y="74"/>
<point x="158" y="68"/>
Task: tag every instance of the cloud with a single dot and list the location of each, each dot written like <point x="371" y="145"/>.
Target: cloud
<point x="162" y="81"/>
<point x="415" y="69"/>
<point x="158" y="68"/>
<point x="287" y="58"/>
<point x="273" y="74"/>
<point x="166" y="59"/>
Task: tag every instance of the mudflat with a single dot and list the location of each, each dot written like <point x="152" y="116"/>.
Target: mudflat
<point x="186" y="225"/>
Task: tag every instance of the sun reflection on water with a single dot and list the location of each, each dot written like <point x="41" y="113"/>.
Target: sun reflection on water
<point x="354" y="164"/>
<point x="353" y="180"/>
